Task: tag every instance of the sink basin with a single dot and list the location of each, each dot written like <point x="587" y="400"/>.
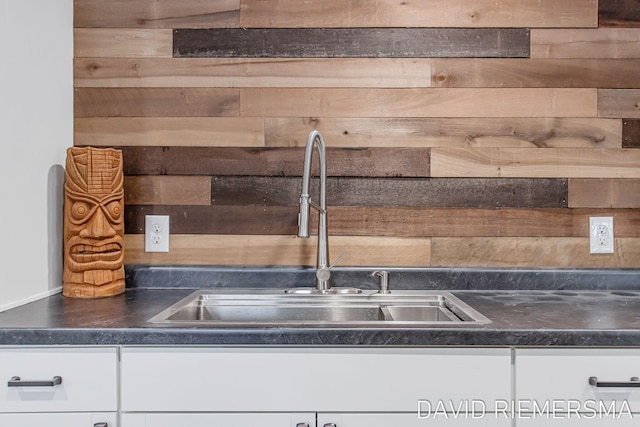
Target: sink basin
<point x="274" y="307"/>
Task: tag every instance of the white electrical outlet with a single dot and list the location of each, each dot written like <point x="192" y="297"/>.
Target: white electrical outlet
<point x="156" y="233"/>
<point x="601" y="234"/>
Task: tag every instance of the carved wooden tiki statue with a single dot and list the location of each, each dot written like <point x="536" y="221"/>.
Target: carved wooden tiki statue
<point x="93" y="223"/>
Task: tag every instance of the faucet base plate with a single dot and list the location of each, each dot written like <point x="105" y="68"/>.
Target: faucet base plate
<point x="329" y="291"/>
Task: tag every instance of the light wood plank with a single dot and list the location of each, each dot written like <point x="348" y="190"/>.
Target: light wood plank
<point x="535" y="163"/>
<point x="157" y="13"/>
<point x="536" y="73"/>
<point x="531" y="252"/>
<point x="156" y="102"/>
<point x="253" y="72"/>
<point x="604" y="193"/>
<point x="433" y="13"/>
<point x="280" y="250"/>
<point x="432" y="102"/>
<point x="612" y="43"/>
<point x="170" y="131"/>
<point x="122" y="42"/>
<point x="168" y="190"/>
<point x="465" y="222"/>
<point x="446" y="132"/>
<point x="619" y="103"/>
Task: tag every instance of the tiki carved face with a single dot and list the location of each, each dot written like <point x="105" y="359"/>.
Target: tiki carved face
<point x="93" y="223"/>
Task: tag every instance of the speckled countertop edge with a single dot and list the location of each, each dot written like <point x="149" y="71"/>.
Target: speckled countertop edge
<point x="528" y="308"/>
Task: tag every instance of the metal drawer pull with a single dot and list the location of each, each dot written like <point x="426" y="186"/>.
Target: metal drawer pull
<point x="302" y="425"/>
<point x="101" y="425"/>
<point x="330" y="425"/>
<point x="17" y="382"/>
<point x="633" y="382"/>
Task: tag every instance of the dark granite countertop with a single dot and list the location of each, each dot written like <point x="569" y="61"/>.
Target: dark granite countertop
<point x="526" y="308"/>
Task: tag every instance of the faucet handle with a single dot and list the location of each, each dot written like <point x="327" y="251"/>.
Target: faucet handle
<point x="324" y="273"/>
<point x="344" y="254"/>
<point x="384" y="281"/>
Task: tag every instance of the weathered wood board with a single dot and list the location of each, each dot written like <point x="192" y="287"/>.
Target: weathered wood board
<point x="351" y="42"/>
<point x="252" y="72"/>
<point x="432" y="13"/>
<point x="157" y="13"/>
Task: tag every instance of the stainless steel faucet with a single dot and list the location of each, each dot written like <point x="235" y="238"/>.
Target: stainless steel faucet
<point x="323" y="272"/>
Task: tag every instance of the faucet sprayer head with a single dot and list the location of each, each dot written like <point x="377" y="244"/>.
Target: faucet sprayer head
<point x="303" y="216"/>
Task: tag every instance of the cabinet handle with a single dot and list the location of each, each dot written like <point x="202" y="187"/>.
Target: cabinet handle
<point x="17" y="382"/>
<point x="330" y="425"/>
<point x="302" y="425"/>
<point x="633" y="382"/>
<point x="101" y="425"/>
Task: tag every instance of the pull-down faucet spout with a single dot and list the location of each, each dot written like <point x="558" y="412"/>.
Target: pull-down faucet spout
<point x="323" y="272"/>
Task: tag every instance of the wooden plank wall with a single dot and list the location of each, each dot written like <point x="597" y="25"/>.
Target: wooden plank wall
<point x="460" y="132"/>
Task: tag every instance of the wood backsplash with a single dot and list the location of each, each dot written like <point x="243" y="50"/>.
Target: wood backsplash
<point x="460" y="132"/>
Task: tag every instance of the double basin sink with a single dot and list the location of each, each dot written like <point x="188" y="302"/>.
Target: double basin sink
<point x="275" y="307"/>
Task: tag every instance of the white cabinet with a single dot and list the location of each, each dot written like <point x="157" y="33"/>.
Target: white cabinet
<point x="66" y="386"/>
<point x="318" y="387"/>
<point x="412" y="420"/>
<point x="220" y="419"/>
<point x="59" y="420"/>
<point x="360" y="386"/>
<point x="578" y="421"/>
<point x="576" y="387"/>
<point x="307" y="420"/>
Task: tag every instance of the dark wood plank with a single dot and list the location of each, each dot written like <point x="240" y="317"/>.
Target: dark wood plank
<point x="383" y="221"/>
<point x="394" y="192"/>
<point x="619" y="13"/>
<point x="216" y="220"/>
<point x="157" y="13"/>
<point x="537" y="73"/>
<point x="351" y="42"/>
<point x="156" y="102"/>
<point x="630" y="133"/>
<point x="377" y="162"/>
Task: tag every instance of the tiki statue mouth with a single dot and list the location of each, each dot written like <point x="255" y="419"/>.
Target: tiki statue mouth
<point x="86" y="255"/>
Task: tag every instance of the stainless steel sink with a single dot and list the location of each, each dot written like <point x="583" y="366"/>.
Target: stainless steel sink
<point x="256" y="308"/>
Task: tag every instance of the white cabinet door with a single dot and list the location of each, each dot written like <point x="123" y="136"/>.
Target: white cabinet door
<point x="87" y="379"/>
<point x="412" y="420"/>
<point x="58" y="420"/>
<point x="309" y="379"/>
<point x="580" y="421"/>
<point x="559" y="380"/>
<point x="219" y="420"/>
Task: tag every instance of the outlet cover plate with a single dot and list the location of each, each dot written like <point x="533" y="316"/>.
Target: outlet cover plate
<point x="601" y="237"/>
<point x="156" y="233"/>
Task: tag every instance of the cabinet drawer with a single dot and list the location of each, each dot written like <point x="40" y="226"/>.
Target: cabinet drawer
<point x="59" y="420"/>
<point x="578" y="421"/>
<point x="88" y="379"/>
<point x="411" y="420"/>
<point x="561" y="377"/>
<point x="309" y="380"/>
<point x="262" y="419"/>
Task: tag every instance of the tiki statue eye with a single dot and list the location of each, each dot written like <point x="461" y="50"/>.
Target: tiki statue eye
<point x="80" y="210"/>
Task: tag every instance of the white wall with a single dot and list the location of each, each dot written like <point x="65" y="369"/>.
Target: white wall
<point x="36" y="127"/>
